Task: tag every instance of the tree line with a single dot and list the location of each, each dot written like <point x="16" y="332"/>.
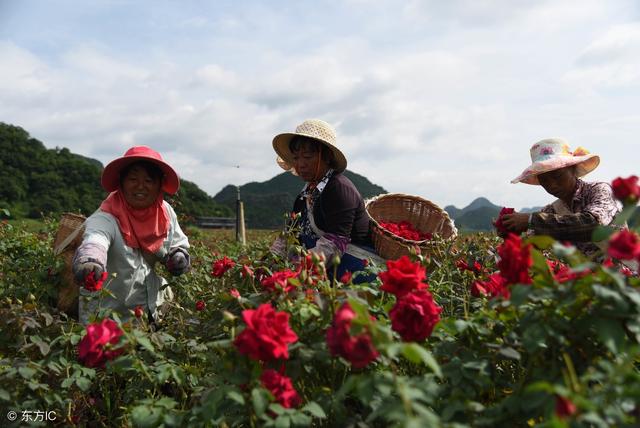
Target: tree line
<point x="37" y="181"/>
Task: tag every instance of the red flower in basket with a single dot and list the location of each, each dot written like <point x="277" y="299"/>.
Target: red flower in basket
<point x="498" y="223"/>
<point x="403" y="276"/>
<point x="415" y="315"/>
<point x="357" y="349"/>
<point x="221" y="266"/>
<point x="281" y="388"/>
<point x="267" y="334"/>
<point x="92" y="283"/>
<point x="405" y="230"/>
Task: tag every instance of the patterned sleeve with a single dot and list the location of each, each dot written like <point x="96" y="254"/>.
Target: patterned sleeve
<point x="600" y="203"/>
<point x="599" y="208"/>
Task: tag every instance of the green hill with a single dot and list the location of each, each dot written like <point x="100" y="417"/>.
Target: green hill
<point x="266" y="203"/>
<point x="37" y="181"/>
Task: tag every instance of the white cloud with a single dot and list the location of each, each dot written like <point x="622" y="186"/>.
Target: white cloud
<point x="437" y="99"/>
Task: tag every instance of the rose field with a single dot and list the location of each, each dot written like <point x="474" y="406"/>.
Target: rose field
<point x="478" y="331"/>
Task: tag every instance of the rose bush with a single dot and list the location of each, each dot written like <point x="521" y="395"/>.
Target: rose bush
<point x="558" y="346"/>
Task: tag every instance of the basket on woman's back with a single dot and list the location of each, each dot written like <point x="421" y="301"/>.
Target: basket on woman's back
<point x="425" y="216"/>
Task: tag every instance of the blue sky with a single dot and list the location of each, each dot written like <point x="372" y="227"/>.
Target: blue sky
<point x="433" y="98"/>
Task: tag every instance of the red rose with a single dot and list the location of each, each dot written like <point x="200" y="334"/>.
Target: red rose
<point x="93" y="284"/>
<point x="563" y="273"/>
<point x="498" y="223"/>
<point x="267" y="334"/>
<point x="246" y="272"/>
<point x="346" y="277"/>
<point x="138" y="311"/>
<point x="97" y="346"/>
<point x="281" y="388"/>
<point x="403" y="276"/>
<point x="624" y="245"/>
<point x="415" y="315"/>
<point x="626" y="189"/>
<point x="496" y="285"/>
<point x="564" y="407"/>
<point x="234" y="293"/>
<point x="221" y="266"/>
<point x="358" y="349"/>
<point x="200" y="305"/>
<point x="462" y="264"/>
<point x="279" y="281"/>
<point x="515" y="260"/>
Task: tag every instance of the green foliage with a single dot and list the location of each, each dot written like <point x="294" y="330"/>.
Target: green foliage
<point x="37" y="181"/>
<point x="489" y="362"/>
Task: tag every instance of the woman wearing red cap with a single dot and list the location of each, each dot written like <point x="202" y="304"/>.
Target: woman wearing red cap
<point x="132" y="230"/>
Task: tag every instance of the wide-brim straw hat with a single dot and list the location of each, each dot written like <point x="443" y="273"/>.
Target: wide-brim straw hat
<point x="314" y="129"/>
<point x="554" y="153"/>
<point x="111" y="174"/>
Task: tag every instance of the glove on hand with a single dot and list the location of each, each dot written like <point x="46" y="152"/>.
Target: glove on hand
<point x="178" y="262"/>
<point x="81" y="270"/>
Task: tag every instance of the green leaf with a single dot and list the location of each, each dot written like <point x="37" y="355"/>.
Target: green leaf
<point x="541" y="242"/>
<point x="144" y="341"/>
<point x="67" y="382"/>
<point x="610" y="333"/>
<point x="42" y="345"/>
<point x="4" y="395"/>
<point x="236" y="396"/>
<point x="83" y="383"/>
<point x="145" y="416"/>
<point x="260" y="400"/>
<point x="26" y="372"/>
<point x="314" y="409"/>
<point x="283" y="421"/>
<point x="509" y="353"/>
<point x="417" y="354"/>
<point x="602" y="233"/>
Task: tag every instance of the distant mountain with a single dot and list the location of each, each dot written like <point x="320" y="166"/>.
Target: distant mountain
<point x="36" y="181"/>
<point x="267" y="202"/>
<point x="530" y="210"/>
<point x="476" y="216"/>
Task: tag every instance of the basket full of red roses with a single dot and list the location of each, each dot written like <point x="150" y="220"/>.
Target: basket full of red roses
<point x="400" y="222"/>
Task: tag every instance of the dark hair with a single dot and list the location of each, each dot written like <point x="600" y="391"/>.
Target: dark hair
<point x="309" y="144"/>
<point x="151" y="168"/>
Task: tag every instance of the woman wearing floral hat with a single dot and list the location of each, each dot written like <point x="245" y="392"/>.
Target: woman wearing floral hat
<point x="333" y="219"/>
<point x="581" y="206"/>
<point x="132" y="230"/>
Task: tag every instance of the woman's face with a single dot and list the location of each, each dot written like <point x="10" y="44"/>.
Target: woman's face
<point x="560" y="183"/>
<point x="305" y="162"/>
<point x="139" y="188"/>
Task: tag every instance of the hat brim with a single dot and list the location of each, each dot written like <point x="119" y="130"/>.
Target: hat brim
<point x="111" y="174"/>
<point x="281" y="146"/>
<point x="584" y="165"/>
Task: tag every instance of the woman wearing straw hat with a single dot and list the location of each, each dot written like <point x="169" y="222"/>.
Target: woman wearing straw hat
<point x="333" y="219"/>
<point x="132" y="230"/>
<point x="580" y="207"/>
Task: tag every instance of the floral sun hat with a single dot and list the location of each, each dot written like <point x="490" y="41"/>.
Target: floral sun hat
<point x="554" y="153"/>
<point x="315" y="129"/>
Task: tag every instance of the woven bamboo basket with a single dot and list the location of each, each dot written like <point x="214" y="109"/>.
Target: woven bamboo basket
<point x="424" y="215"/>
<point x="67" y="239"/>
